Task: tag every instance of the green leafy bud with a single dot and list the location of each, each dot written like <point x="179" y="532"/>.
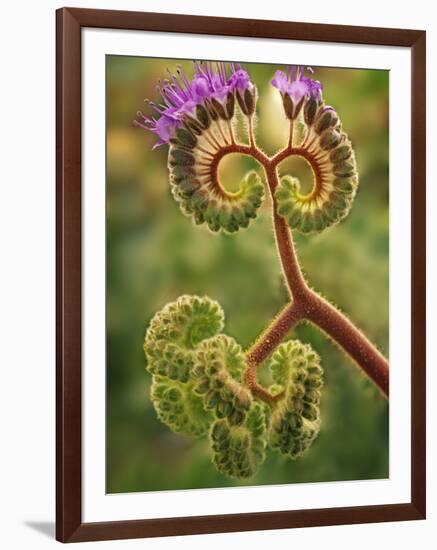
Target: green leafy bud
<point x="295" y="421"/>
<point x="194" y="126"/>
<point x="219" y="108"/>
<point x="288" y="105"/>
<point x="335" y="185"/>
<point x="291" y="108"/>
<point x="306" y="224"/>
<point x="247" y="101"/>
<point x="339" y="200"/>
<point x="175" y="332"/>
<point x="329" y="139"/>
<point x="209" y="203"/>
<point x="186" y="138"/>
<point x="342" y="152"/>
<point x="326" y="118"/>
<point x="319" y="220"/>
<point x="202" y="116"/>
<point x="345" y="185"/>
<point x="310" y="110"/>
<point x="239" y="450"/>
<point x="182" y="172"/>
<point x="218" y="378"/>
<point x="179" y="407"/>
<point x="299" y="106"/>
<point x="344" y="168"/>
<point x="211" y="111"/>
<point x="180" y="157"/>
<point x="230" y="105"/>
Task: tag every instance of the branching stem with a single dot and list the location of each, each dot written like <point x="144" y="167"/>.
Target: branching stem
<point x="305" y="303"/>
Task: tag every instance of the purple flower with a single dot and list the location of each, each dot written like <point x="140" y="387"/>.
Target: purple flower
<point x="281" y="82"/>
<point x="240" y="81"/>
<point x="296" y="85"/>
<point x="200" y="87"/>
<point x="180" y="96"/>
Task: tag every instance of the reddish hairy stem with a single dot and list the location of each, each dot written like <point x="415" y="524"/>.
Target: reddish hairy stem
<point x="257" y="390"/>
<point x="322" y="313"/>
<point x="274" y="334"/>
<point x="306" y="304"/>
<point x="284" y="242"/>
<point x="338" y="327"/>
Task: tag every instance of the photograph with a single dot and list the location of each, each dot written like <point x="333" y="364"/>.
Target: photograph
<point x="215" y="235"/>
<point x="247" y="274"/>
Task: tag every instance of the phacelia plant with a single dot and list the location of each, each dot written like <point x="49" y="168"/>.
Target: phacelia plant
<point x="203" y="381"/>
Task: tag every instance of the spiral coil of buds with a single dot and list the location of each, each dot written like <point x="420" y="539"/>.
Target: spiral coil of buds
<point x="198" y="387"/>
<point x="179" y="407"/>
<point x="176" y="330"/>
<point x="197" y="384"/>
<point x="240" y="450"/>
<point x="336" y="184"/>
<point x="327" y="149"/>
<point x="220" y="363"/>
<point x="295" y="422"/>
<point x="197" y="122"/>
<point x="209" y="203"/>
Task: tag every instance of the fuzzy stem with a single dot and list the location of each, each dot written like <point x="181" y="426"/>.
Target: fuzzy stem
<point x="251" y="134"/>
<point x="314" y="308"/>
<point x="290" y="265"/>
<point x="290" y="137"/>
<point x="231" y="131"/>
<point x="306" y="303"/>
<point x="338" y="327"/>
<point x="274" y="334"/>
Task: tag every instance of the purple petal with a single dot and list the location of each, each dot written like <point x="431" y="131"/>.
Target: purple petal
<point x="200" y="87"/>
<point x="296" y="84"/>
<point x="240" y="80"/>
<point x="165" y="128"/>
<point x="297" y="90"/>
<point x="180" y="96"/>
<point x="280" y="81"/>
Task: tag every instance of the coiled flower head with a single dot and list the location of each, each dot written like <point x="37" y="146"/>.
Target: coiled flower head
<point x="240" y="450"/>
<point x="176" y="331"/>
<point x="199" y="387"/>
<point x="179" y="407"/>
<point x="327" y="149"/>
<point x="295" y="422"/>
<point x="296" y="89"/>
<point x="196" y="120"/>
<point x="218" y="370"/>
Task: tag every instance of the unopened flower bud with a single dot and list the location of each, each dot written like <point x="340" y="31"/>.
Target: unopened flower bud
<point x="246" y="100"/>
<point x="295" y="422"/>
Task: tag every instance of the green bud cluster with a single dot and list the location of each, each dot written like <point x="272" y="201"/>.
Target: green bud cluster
<point x="179" y="407"/>
<point x="295" y="421"/>
<point x="176" y="331"/>
<point x="197" y="385"/>
<point x="240" y="450"/>
<point x="198" y="388"/>
<point x="335" y="172"/>
<point x="217" y="372"/>
<point x="205" y="201"/>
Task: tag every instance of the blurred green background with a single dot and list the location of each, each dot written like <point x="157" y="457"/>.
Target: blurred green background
<point x="155" y="254"/>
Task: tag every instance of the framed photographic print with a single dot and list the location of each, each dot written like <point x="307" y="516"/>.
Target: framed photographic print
<point x="240" y="274"/>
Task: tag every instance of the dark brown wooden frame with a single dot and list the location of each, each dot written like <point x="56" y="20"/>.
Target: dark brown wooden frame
<point x="69" y="526"/>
